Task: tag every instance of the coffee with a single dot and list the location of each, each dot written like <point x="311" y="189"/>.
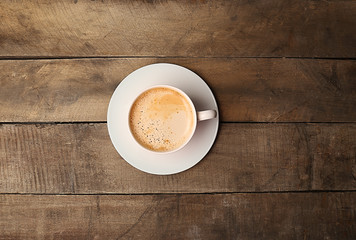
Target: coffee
<point x="161" y="119"/>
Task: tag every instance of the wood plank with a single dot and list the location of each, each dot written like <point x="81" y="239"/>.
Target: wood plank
<point x="221" y="216"/>
<point x="298" y="28"/>
<point x="272" y="90"/>
<point x="79" y="158"/>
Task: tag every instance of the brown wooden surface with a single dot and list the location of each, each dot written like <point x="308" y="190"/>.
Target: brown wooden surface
<point x="79" y="158"/>
<point x="283" y="64"/>
<point x="298" y="28"/>
<point x="221" y="216"/>
<point x="262" y="90"/>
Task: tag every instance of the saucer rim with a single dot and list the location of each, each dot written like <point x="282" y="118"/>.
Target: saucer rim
<point x="169" y="156"/>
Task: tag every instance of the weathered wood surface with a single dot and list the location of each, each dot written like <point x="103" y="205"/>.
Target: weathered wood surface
<point x="264" y="90"/>
<point x="298" y="28"/>
<point x="259" y="181"/>
<point x="221" y="216"/>
<point x="79" y="158"/>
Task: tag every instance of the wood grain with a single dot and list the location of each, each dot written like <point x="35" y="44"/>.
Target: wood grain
<point x="226" y="216"/>
<point x="298" y="28"/>
<point x="263" y="90"/>
<point x="79" y="158"/>
<point x="282" y="179"/>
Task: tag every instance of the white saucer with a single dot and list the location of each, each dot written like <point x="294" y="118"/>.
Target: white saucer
<point x="125" y="94"/>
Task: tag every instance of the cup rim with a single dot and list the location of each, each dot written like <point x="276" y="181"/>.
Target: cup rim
<point x="194" y="115"/>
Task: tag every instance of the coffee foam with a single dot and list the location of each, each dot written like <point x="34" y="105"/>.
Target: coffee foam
<point x="161" y="119"/>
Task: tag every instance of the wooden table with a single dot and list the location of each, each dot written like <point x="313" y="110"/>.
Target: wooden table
<point x="284" y="162"/>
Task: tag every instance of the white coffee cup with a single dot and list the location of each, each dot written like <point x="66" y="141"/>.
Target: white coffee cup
<point x="163" y="119"/>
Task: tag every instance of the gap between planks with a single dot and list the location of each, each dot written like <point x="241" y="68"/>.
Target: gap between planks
<point x="178" y="194"/>
<point x="17" y="58"/>
<point x="227" y="122"/>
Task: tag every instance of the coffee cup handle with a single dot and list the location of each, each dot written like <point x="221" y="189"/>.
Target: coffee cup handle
<point x="206" y="115"/>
